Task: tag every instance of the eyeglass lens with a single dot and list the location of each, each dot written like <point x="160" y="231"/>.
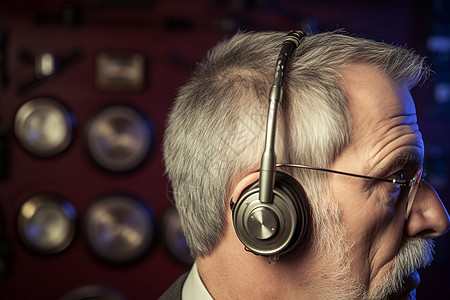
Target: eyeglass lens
<point x="413" y="191"/>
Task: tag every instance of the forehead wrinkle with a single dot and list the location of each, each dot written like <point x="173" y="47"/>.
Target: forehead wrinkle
<point x="387" y="122"/>
<point x="398" y="119"/>
<point x="404" y="135"/>
<point x="408" y="156"/>
<point x="404" y="154"/>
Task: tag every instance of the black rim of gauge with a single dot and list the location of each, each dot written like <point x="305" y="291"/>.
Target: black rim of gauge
<point x="119" y="228"/>
<point x="119" y="138"/>
<point x="174" y="239"/>
<point x="46" y="223"/>
<point x="44" y="127"/>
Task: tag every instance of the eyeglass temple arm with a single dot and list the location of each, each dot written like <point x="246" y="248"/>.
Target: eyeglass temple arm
<point x="394" y="181"/>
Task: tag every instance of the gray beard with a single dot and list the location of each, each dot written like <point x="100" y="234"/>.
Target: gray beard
<point x="336" y="281"/>
<point x="415" y="253"/>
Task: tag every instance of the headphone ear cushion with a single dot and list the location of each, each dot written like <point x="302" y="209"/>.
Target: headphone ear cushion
<point x="275" y="228"/>
<point x="298" y="196"/>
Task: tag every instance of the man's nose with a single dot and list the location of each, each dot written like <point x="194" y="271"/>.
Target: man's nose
<point x="428" y="217"/>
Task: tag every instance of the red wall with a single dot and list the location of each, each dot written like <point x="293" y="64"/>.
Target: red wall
<point x="72" y="174"/>
<point x="169" y="53"/>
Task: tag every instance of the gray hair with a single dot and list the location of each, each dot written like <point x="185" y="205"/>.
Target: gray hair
<point x="216" y="128"/>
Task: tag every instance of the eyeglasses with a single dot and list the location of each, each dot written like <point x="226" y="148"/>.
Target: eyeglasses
<point x="413" y="183"/>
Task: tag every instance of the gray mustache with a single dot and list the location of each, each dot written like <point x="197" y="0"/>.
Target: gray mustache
<point x="415" y="253"/>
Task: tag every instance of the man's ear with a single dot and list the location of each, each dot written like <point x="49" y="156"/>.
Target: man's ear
<point x="243" y="184"/>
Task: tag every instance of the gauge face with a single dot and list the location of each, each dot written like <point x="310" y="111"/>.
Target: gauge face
<point x="119" y="138"/>
<point x="119" y="228"/>
<point x="44" y="127"/>
<point x="174" y="238"/>
<point x="46" y="223"/>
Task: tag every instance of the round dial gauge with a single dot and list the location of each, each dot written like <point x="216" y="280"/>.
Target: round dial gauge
<point x="46" y="223"/>
<point x="174" y="238"/>
<point x="119" y="228"/>
<point x="119" y="138"/>
<point x="44" y="127"/>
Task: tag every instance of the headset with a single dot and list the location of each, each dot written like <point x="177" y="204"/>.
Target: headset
<point x="271" y="216"/>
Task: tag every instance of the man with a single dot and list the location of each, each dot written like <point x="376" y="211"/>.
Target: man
<point x="348" y="118"/>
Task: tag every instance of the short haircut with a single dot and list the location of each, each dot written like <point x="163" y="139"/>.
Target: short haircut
<point x="216" y="128"/>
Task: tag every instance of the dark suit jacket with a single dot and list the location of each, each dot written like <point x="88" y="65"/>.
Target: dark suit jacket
<point x="174" y="291"/>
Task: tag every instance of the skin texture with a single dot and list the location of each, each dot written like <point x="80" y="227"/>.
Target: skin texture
<point x="386" y="127"/>
<point x="386" y="140"/>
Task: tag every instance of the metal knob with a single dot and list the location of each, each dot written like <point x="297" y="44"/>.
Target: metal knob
<point x="262" y="223"/>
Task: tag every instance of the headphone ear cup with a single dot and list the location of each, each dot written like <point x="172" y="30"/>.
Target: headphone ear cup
<point x="275" y="228"/>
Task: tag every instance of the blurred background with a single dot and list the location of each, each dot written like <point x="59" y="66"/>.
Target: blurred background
<point x="85" y="87"/>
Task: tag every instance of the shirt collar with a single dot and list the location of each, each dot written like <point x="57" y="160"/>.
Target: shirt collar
<point x="194" y="288"/>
